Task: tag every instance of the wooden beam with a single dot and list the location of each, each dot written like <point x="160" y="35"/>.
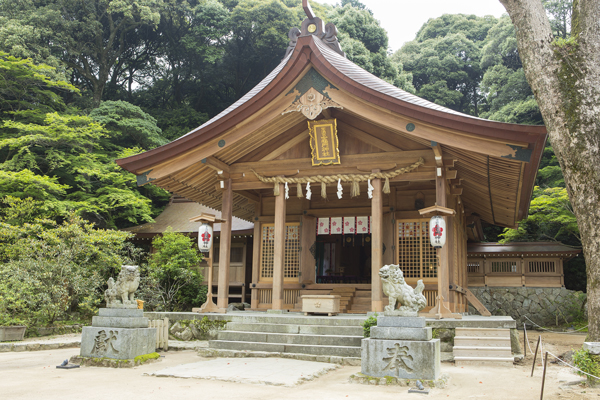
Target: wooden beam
<point x="225" y="246"/>
<point x="339" y="212"/>
<point x="274" y="167"/>
<point x="251" y="197"/>
<point x="215" y="164"/>
<point x="376" y="245"/>
<point x="304" y="136"/>
<point x="456" y="191"/>
<point x="437" y="151"/>
<point x="279" y="250"/>
<point x="365" y="137"/>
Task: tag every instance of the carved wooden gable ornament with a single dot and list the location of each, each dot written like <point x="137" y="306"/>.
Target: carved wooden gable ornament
<point x="324" y="142"/>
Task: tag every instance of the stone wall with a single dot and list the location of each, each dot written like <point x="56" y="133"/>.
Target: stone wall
<point x="544" y="306"/>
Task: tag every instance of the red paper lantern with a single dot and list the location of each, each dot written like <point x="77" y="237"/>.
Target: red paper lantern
<point x="437" y="231"/>
<point x="205" y="237"/>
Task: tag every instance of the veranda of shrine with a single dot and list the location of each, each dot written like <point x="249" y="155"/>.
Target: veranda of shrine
<point x="320" y="119"/>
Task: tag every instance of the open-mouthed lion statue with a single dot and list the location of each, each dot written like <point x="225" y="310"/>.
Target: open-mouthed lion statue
<point x="120" y="294"/>
<point x="410" y="301"/>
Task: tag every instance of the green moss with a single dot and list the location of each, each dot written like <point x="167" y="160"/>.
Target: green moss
<point x="434" y="333"/>
<point x="145" y="357"/>
<point x="389" y="379"/>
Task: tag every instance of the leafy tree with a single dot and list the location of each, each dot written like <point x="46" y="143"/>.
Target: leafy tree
<point x="48" y="270"/>
<point x="174" y="266"/>
<point x="565" y="79"/>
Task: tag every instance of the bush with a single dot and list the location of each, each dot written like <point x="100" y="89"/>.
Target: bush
<point x="588" y="363"/>
<point x="367" y="324"/>
<point x="173" y="268"/>
<point x="49" y="270"/>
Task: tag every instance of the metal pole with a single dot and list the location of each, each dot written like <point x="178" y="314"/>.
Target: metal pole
<point x="525" y="341"/>
<point x="544" y="376"/>
<point x="535" y="354"/>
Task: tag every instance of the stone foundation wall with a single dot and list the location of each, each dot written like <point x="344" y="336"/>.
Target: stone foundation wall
<point x="544" y="306"/>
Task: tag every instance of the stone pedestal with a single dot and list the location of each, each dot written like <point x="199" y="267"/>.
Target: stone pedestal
<point x="401" y="347"/>
<point x="118" y="333"/>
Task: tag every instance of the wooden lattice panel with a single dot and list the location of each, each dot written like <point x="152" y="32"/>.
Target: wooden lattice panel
<point x="267" y="251"/>
<point x="416" y="257"/>
<point x="473" y="267"/>
<point x="291" y="263"/>
<point x="291" y="260"/>
<point x="505" y="266"/>
<point x="541" y="266"/>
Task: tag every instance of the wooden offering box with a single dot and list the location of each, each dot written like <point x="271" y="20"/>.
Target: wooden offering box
<point x="321" y="304"/>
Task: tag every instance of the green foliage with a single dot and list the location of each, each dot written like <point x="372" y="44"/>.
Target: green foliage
<point x="367" y="324"/>
<point x="588" y="363"/>
<point x="48" y="270"/>
<point x="174" y="268"/>
<point x="27" y="86"/>
<point x="127" y="125"/>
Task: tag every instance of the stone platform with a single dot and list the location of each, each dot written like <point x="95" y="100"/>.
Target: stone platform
<point x="118" y="333"/>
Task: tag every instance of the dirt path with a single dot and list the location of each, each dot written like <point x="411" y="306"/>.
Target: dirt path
<point x="31" y="375"/>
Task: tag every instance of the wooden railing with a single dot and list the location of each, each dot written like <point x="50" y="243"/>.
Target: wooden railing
<point x="162" y="332"/>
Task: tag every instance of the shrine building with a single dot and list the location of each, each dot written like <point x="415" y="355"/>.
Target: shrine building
<point x="340" y="172"/>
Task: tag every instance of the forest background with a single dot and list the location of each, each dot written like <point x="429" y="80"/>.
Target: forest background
<point x="85" y="83"/>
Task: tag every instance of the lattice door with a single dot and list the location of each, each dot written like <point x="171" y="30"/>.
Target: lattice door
<point x="291" y="258"/>
<point x="416" y="257"/>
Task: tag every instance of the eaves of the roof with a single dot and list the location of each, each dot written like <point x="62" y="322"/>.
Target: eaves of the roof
<point x="353" y="79"/>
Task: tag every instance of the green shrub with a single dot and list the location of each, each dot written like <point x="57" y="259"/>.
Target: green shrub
<point x="588" y="363"/>
<point x="367" y="324"/>
<point x="174" y="270"/>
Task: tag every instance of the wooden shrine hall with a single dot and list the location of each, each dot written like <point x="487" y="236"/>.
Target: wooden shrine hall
<point x="333" y="165"/>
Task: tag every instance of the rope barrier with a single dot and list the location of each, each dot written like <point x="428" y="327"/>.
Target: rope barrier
<point x="353" y="178"/>
<point x="548" y="330"/>
<point x="572" y="366"/>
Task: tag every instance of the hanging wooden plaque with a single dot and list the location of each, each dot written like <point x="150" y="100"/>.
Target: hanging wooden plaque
<point x="324" y="142"/>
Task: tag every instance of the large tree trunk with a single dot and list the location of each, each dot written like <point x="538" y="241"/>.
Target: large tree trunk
<point x="565" y="78"/>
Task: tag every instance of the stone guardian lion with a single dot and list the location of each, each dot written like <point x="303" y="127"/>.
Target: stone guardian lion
<point x="409" y="301"/>
<point x="121" y="293"/>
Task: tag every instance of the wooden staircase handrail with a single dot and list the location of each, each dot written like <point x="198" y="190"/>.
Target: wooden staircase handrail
<point x="472" y="299"/>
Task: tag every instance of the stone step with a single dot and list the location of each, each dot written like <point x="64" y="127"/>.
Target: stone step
<point x="483" y="332"/>
<point x="286" y="338"/>
<point x="297" y="319"/>
<point x="341" y="351"/>
<point x="352" y="311"/>
<point x="207" y="352"/>
<point x="472" y="351"/>
<point x="483" y="361"/>
<point x="295" y="329"/>
<point x="481" y="341"/>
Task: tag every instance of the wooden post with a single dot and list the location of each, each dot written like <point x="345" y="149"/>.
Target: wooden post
<point x="444" y="252"/>
<point x="376" y="245"/>
<point x="279" y="250"/>
<point x="307" y="261"/>
<point x="451" y="246"/>
<point x="225" y="246"/>
<point x="257" y="239"/>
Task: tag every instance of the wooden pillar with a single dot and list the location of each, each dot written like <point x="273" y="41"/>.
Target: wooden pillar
<point x="257" y="240"/>
<point x="225" y="246"/>
<point x="279" y="250"/>
<point x="308" y="238"/>
<point x="376" y="245"/>
<point x="444" y="252"/>
<point x="451" y="245"/>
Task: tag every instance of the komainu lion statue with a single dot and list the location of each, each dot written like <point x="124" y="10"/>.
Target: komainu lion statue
<point x="409" y="300"/>
<point x="120" y="294"/>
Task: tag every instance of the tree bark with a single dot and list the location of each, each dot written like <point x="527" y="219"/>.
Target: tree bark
<point x="565" y="79"/>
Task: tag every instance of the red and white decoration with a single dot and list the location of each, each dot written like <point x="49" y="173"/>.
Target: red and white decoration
<point x="205" y="237"/>
<point x="349" y="225"/>
<point x="336" y="226"/>
<point x="344" y="225"/>
<point x="437" y="231"/>
<point x="363" y="225"/>
<point x="323" y="226"/>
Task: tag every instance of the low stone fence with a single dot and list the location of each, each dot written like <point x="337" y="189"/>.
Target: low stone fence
<point x="544" y="306"/>
<point x="188" y="326"/>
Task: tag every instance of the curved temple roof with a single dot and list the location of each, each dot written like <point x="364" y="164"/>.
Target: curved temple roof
<point x="484" y="149"/>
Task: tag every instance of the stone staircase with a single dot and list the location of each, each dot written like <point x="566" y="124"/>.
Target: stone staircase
<point x="346" y="297"/>
<point x="482" y="346"/>
<point x="319" y="338"/>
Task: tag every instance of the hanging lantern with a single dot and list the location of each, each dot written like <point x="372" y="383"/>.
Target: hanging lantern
<point x="437" y="231"/>
<point x="205" y="237"/>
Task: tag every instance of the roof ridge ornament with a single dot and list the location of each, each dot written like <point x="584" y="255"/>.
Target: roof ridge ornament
<point x="313" y="25"/>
